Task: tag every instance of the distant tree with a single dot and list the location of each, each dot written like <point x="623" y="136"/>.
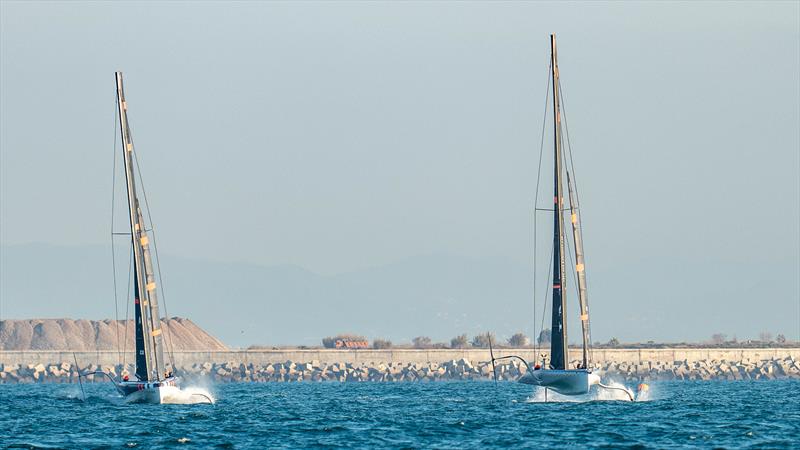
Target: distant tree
<point x="613" y="342"/>
<point x="482" y="340"/>
<point x="544" y="337"/>
<point x="519" y="340"/>
<point x="780" y="339"/>
<point x="459" y="341"/>
<point x="381" y="343"/>
<point x="765" y="336"/>
<point x="329" y="342"/>
<point x="718" y="338"/>
<point x="421" y="342"/>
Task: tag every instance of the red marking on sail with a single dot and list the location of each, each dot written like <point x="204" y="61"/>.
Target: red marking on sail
<point x="136" y="301"/>
<point x="556" y="286"/>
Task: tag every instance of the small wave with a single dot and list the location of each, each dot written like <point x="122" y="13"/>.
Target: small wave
<point x="32" y="446"/>
<point x="94" y="397"/>
<point x="619" y="392"/>
<point x="540" y="395"/>
<point x="186" y="396"/>
<point x="643" y="393"/>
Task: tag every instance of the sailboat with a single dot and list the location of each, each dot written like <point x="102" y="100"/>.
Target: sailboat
<point x="557" y="375"/>
<point x="154" y="382"/>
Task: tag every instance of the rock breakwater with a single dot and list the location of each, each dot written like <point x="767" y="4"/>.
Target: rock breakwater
<point x="462" y="369"/>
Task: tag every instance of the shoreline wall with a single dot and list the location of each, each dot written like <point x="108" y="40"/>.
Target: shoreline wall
<point x="406" y="364"/>
<point x="404" y="356"/>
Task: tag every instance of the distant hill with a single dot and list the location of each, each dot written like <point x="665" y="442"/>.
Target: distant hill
<point x="434" y="295"/>
<point x="89" y="335"/>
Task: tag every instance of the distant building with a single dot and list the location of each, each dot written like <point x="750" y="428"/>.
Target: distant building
<point x="346" y="343"/>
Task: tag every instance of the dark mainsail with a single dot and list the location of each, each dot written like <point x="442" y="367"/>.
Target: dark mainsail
<point x="154" y="382"/>
<point x="559" y="376"/>
<point x="149" y="348"/>
<point x="559" y="354"/>
<point x="141" y="357"/>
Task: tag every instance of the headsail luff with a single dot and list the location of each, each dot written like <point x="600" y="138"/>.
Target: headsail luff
<point x="577" y="239"/>
<point x="149" y="348"/>
<point x="559" y="353"/>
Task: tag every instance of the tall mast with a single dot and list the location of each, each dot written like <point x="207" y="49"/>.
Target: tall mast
<point x="149" y="348"/>
<point x="577" y="238"/>
<point x="559" y="353"/>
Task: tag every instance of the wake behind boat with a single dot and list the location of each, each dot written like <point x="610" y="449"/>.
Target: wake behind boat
<point x="556" y="375"/>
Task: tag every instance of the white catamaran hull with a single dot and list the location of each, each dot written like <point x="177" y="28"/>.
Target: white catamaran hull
<point x="150" y="395"/>
<point x="567" y="382"/>
<point x="144" y="392"/>
<point x="166" y="391"/>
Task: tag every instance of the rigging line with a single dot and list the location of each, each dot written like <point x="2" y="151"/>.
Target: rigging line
<point x="167" y="335"/>
<point x="128" y="233"/>
<point x="575" y="283"/>
<point x="578" y="201"/>
<point x="546" y="292"/>
<point x="572" y="264"/>
<point x="127" y="306"/>
<point x="553" y="210"/>
<point x="156" y="369"/>
<point x="569" y="144"/>
<point x="541" y="143"/>
<point x="536" y="201"/>
<point x="113" y="253"/>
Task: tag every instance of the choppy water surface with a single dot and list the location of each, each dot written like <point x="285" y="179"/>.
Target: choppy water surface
<point x="441" y="414"/>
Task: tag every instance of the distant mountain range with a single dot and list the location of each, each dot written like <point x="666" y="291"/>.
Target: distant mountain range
<point x="440" y="296"/>
<point x="436" y="295"/>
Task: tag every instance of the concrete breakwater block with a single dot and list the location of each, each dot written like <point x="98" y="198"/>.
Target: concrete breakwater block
<point x="456" y="369"/>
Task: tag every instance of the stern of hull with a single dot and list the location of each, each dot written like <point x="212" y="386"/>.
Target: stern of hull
<point x="566" y="382"/>
<point x="146" y="392"/>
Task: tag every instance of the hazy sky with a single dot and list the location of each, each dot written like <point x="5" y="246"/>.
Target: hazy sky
<point x="340" y="136"/>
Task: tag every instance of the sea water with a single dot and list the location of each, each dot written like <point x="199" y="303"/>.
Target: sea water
<point x="760" y="414"/>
